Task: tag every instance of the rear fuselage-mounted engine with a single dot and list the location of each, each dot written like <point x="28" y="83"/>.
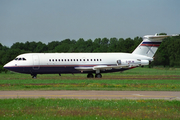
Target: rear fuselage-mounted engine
<point x="132" y="62"/>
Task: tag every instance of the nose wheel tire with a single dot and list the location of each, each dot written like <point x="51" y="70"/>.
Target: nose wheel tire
<point x="34" y="76"/>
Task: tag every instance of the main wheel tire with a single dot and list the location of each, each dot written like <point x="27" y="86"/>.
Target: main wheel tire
<point x="98" y="75"/>
<point x="90" y="75"/>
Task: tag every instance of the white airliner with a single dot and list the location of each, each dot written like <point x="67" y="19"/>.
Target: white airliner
<point x="89" y="63"/>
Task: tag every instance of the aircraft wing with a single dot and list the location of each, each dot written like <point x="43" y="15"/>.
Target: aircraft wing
<point x="84" y="68"/>
<point x="99" y="67"/>
<point x="105" y="67"/>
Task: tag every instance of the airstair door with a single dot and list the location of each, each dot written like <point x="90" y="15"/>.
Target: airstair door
<point x="36" y="65"/>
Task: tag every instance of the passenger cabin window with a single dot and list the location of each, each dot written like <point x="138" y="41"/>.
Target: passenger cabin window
<point x="65" y="59"/>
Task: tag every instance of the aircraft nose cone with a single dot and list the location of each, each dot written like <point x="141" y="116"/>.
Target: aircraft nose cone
<point x="8" y="66"/>
<point x="12" y="66"/>
<point x="5" y="66"/>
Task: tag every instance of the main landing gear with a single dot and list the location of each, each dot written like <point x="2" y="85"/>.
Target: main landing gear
<point x="90" y="75"/>
<point x="98" y="75"/>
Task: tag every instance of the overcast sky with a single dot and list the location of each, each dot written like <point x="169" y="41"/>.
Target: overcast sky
<point x="56" y="20"/>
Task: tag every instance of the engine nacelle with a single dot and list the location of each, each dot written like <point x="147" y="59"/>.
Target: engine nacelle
<point x="132" y="62"/>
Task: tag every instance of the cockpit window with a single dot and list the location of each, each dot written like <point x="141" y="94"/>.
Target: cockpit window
<point x="20" y="59"/>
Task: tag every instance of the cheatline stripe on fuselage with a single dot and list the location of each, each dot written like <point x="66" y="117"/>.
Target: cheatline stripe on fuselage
<point x="62" y="65"/>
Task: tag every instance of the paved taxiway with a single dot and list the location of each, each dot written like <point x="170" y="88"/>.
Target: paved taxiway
<point x="168" y="95"/>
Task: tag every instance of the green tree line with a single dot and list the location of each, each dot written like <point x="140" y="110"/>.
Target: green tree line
<point x="168" y="53"/>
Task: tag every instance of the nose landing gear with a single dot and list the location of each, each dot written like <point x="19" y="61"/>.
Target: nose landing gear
<point x="34" y="76"/>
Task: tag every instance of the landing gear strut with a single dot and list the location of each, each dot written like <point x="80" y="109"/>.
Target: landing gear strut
<point x="90" y="75"/>
<point x="34" y="76"/>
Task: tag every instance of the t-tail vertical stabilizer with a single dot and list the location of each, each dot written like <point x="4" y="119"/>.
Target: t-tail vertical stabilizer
<point x="150" y="44"/>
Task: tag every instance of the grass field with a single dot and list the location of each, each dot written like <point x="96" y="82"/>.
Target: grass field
<point x="156" y="79"/>
<point x="89" y="109"/>
<point x="159" y="79"/>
